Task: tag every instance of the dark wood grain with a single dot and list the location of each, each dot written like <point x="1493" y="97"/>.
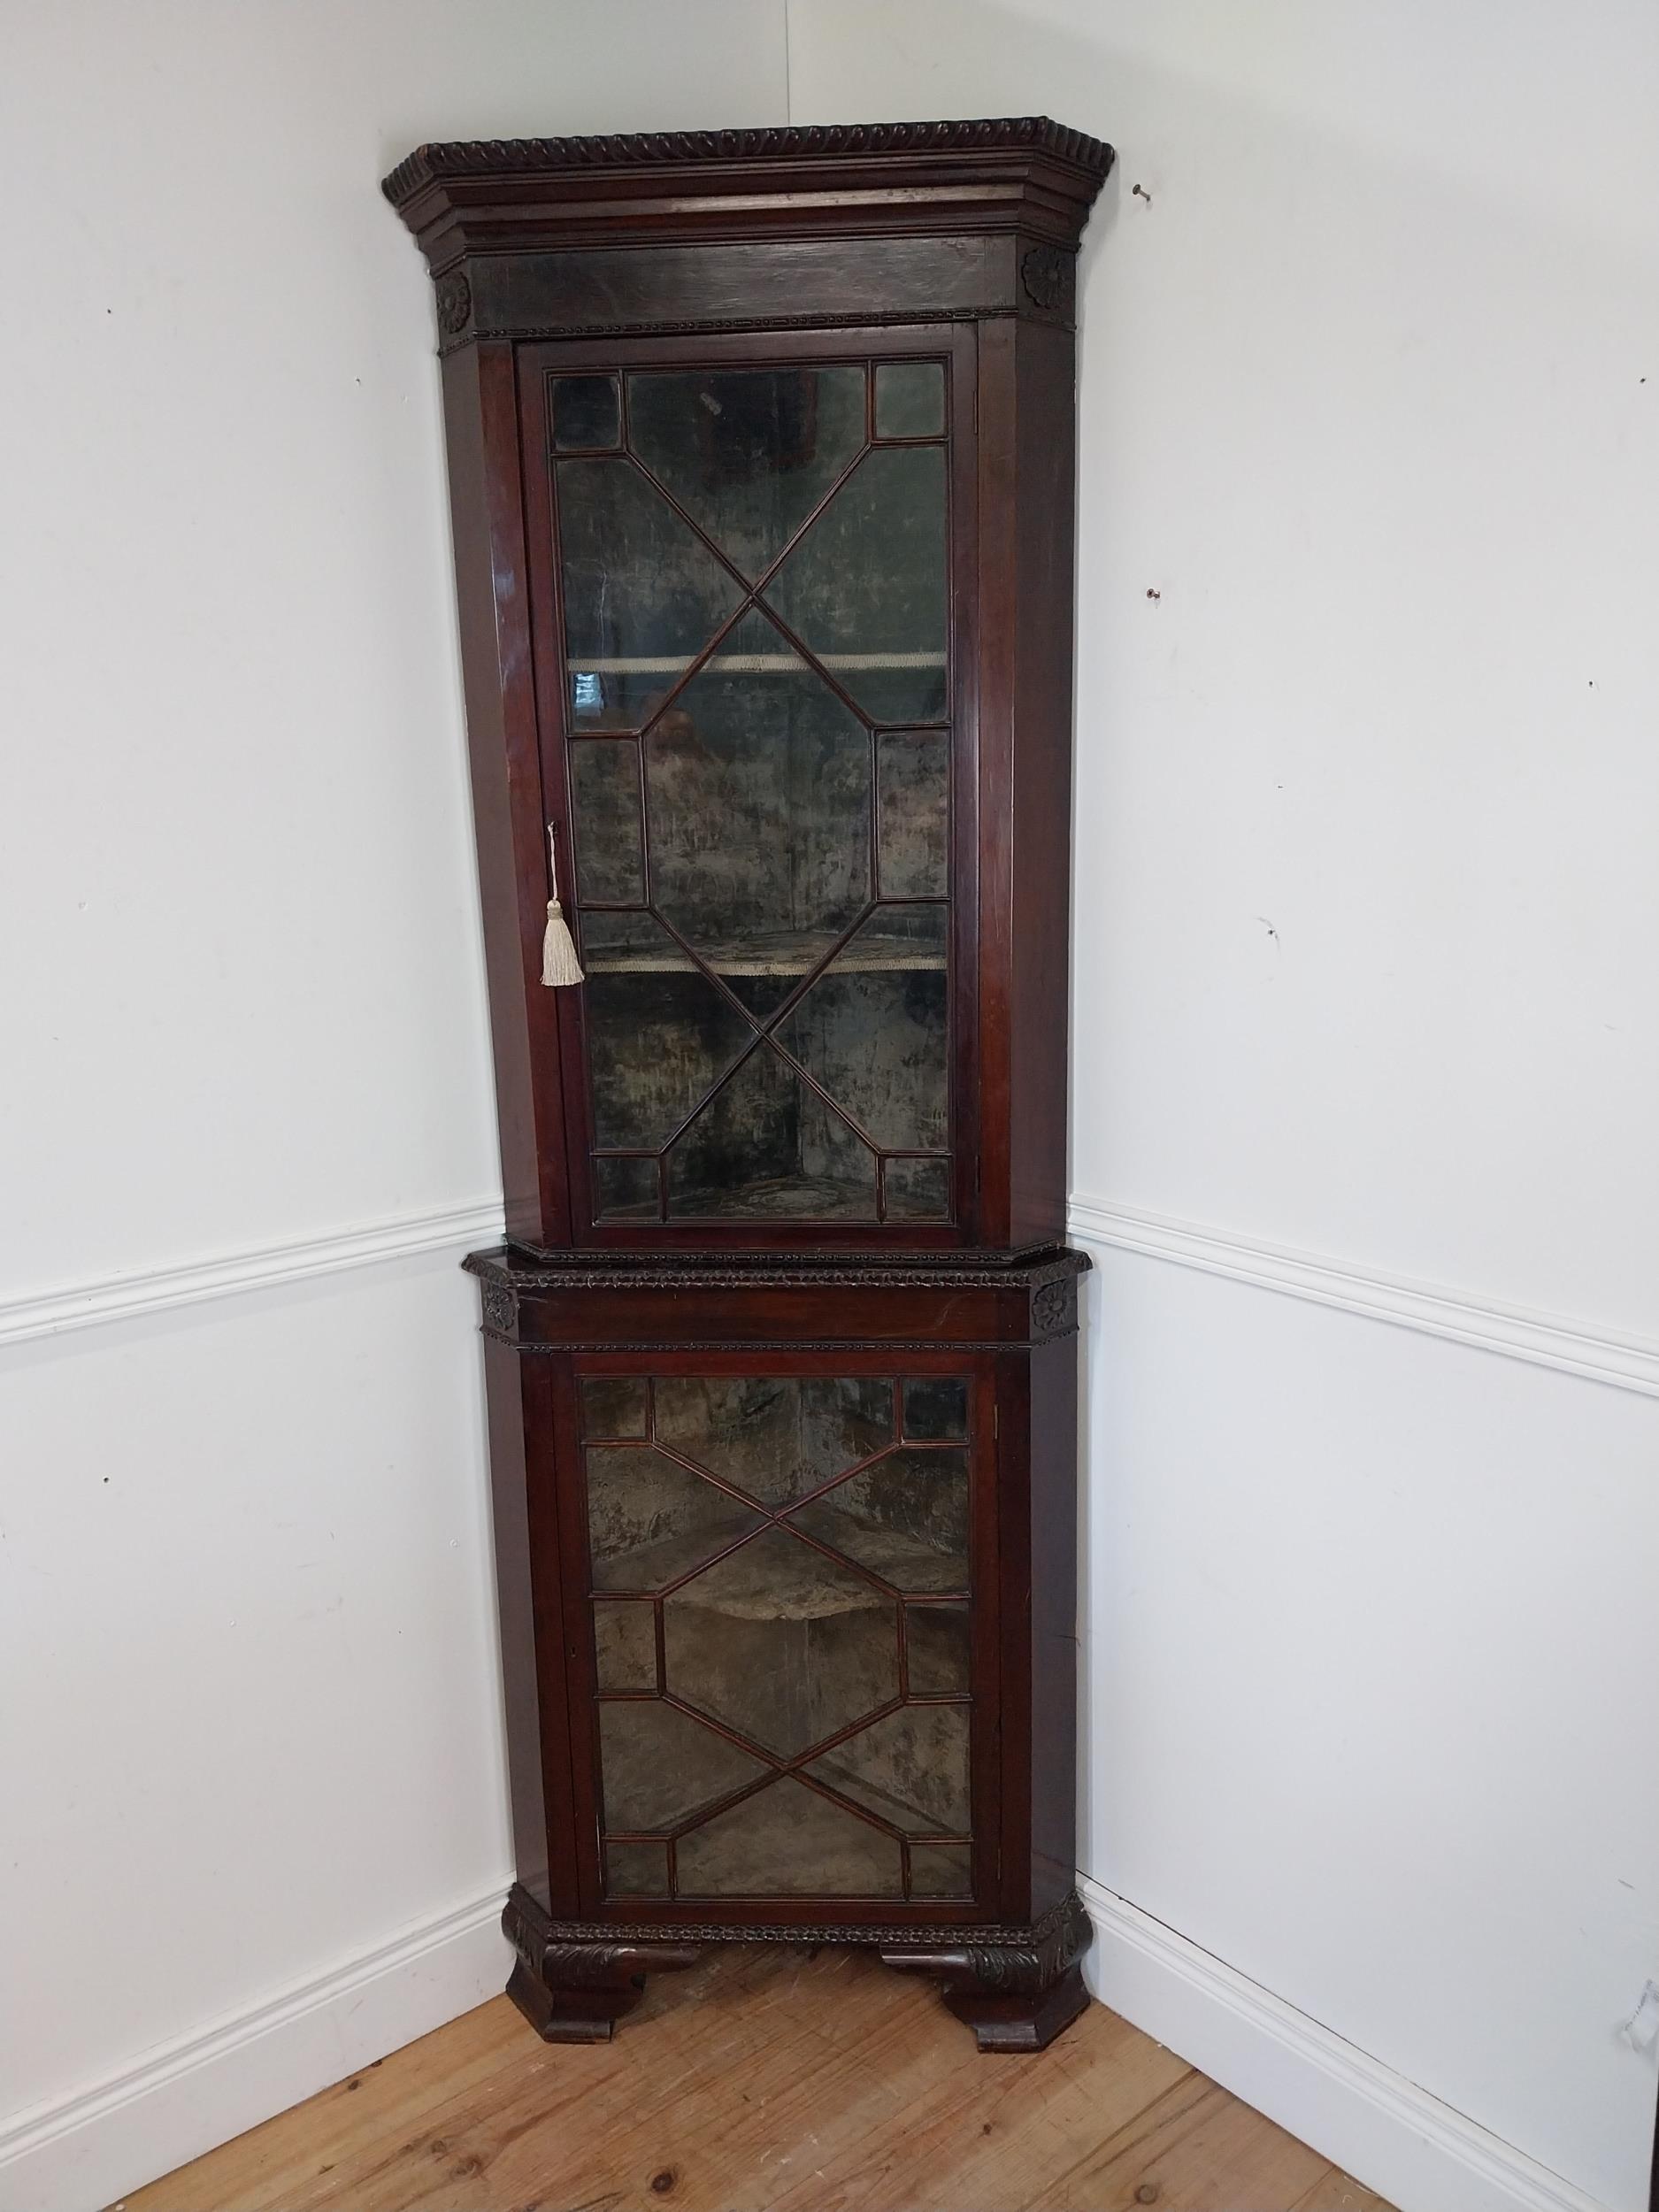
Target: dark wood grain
<point x="954" y="242"/>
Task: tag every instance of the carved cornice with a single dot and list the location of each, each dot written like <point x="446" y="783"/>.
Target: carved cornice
<point x="805" y="142"/>
<point x="527" y="220"/>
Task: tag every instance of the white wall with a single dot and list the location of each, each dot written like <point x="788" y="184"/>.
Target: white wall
<point x="248" y="1732"/>
<point x="1372" y="1783"/>
<point x="1366" y="918"/>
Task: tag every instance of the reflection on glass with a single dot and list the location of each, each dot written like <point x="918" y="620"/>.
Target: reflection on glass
<point x="910" y="1768"/>
<point x="728" y="851"/>
<point x="758" y="779"/>
<point x="780" y="1642"/>
<point x="773" y="1436"/>
<point x="660" y="1035"/>
<point x="917" y="1190"/>
<point x="910" y="399"/>
<point x="905" y="1518"/>
<point x="912" y="779"/>
<point x="625" y="1644"/>
<point x="784" y="1645"/>
<point x="615" y="1405"/>
<point x="641" y="1869"/>
<point x="941" y="1871"/>
<point x="765" y="1148"/>
<point x="642" y="592"/>
<point x="626" y="1190"/>
<point x="609" y="860"/>
<point x="864" y="590"/>
<point x="872" y="1031"/>
<point x="748" y="453"/>
<point x="936" y="1409"/>
<point x="657" y="1768"/>
<point x="937" y="1650"/>
<point x="787" y="1841"/>
<point x="650" y="1520"/>
<point x="587" y="413"/>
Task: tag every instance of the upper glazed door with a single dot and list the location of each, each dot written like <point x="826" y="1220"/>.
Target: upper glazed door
<point x="751" y="666"/>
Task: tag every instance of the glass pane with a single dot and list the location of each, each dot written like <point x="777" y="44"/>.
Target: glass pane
<point x="905" y="1518"/>
<point x="770" y="1435"/>
<point x="626" y="1190"/>
<point x="941" y="1870"/>
<point x="872" y="1029"/>
<point x="783" y="1645"/>
<point x="911" y="1769"/>
<point x="641" y="1869"/>
<point x="609" y="864"/>
<point x="757" y="780"/>
<point x="625" y="1644"/>
<point x="642" y="595"/>
<point x="657" y="1767"/>
<point x="764" y="1148"/>
<point x="917" y="1190"/>
<point x="660" y="1035"/>
<point x="865" y="589"/>
<point x="614" y="1405"/>
<point x="787" y="1841"/>
<point x="936" y="1407"/>
<point x="650" y="1520"/>
<point x="748" y="453"/>
<point x="910" y="399"/>
<point x="913" y="783"/>
<point x="937" y="1650"/>
<point x="587" y="413"/>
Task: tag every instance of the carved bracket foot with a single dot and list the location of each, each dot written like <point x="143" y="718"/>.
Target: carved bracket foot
<point x="1016" y="1993"/>
<point x="576" y="1993"/>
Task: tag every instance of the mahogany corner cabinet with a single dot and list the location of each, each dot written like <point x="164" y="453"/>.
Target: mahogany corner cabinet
<point x="761" y="451"/>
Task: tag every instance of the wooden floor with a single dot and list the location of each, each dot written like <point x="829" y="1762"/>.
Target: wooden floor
<point x="767" y="2081"/>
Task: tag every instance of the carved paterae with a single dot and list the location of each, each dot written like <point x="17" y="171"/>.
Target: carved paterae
<point x="1042" y="277"/>
<point x="455" y="301"/>
<point x="501" y="1309"/>
<point x="1054" y="1309"/>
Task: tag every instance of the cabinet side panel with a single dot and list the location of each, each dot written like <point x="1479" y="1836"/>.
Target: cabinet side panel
<point x="516" y="1606"/>
<point x="1044" y="637"/>
<point x="487" y="508"/>
<point x="1053" y="1443"/>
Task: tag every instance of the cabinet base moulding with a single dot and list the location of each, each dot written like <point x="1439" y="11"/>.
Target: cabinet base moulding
<point x="1015" y="1987"/>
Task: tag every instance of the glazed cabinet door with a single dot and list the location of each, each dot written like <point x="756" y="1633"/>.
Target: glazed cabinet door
<point x="781" y="1570"/>
<point x="752" y="581"/>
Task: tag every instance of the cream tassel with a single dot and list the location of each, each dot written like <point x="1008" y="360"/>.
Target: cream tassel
<point x="559" y="963"/>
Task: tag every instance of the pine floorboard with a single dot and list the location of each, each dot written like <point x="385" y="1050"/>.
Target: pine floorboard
<point x="767" y="2081"/>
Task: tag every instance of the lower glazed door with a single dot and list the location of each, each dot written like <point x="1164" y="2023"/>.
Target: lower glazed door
<point x="783" y="1670"/>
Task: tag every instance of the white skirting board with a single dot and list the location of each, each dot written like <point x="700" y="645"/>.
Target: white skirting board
<point x="86" y="2149"/>
<point x="1378" y="2126"/>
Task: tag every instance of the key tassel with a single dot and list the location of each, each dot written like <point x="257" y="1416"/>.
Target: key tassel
<point x="559" y="963"/>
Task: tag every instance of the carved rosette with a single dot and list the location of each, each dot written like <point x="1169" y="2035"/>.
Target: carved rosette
<point x="1053" y="1309"/>
<point x="500" y="1310"/>
<point x="1046" y="278"/>
<point x="454" y="304"/>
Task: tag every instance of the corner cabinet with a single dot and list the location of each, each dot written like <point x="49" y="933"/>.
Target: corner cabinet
<point x="761" y="460"/>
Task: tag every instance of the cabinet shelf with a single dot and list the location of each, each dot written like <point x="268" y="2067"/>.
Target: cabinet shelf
<point x="781" y="952"/>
